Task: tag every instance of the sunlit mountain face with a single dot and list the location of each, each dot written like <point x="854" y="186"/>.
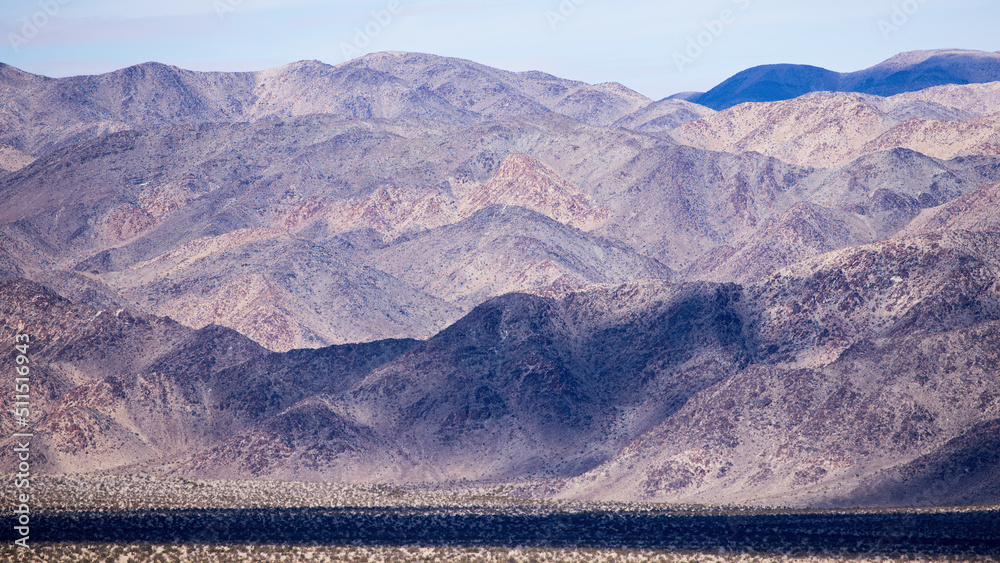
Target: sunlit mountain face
<point x="413" y="269"/>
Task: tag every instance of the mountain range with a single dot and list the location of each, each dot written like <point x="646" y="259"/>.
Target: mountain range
<point x="907" y="72"/>
<point x="410" y="268"/>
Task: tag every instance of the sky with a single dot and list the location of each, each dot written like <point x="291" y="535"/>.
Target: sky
<point x="656" y="48"/>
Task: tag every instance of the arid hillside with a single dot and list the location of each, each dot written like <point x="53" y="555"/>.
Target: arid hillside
<point x="416" y="269"/>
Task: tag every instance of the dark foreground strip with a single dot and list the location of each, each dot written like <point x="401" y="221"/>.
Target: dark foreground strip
<point x="976" y="532"/>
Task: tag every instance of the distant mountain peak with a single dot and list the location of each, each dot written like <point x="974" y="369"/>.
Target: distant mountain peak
<point x="10" y="74"/>
<point x="918" y="56"/>
<point x="621" y="89"/>
<point x="905" y="72"/>
<point x="307" y="62"/>
<point x="297" y="66"/>
<point x="151" y="67"/>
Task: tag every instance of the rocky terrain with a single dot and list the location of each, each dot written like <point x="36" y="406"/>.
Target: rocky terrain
<point x="414" y="269"/>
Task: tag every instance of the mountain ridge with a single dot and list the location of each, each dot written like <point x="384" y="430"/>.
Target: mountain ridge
<point x="155" y="95"/>
<point x="905" y="72"/>
<point x="422" y="270"/>
<point x="530" y="375"/>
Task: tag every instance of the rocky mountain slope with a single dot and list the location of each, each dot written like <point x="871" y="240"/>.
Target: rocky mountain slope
<point x="408" y="268"/>
<point x="868" y="360"/>
<point x="975" y="211"/>
<point x="193" y="229"/>
<point x="717" y="393"/>
<point x="648" y="390"/>
<point x="40" y="115"/>
<point x="972" y="100"/>
<point x="110" y="388"/>
<point x="830" y="130"/>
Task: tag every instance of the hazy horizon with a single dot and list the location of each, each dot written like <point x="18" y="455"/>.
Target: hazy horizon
<point x="655" y="49"/>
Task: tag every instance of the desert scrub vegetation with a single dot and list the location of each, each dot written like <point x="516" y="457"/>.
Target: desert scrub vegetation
<point x="144" y="492"/>
<point x="152" y="492"/>
<point x="150" y="518"/>
<point x="239" y="553"/>
<point x="148" y="492"/>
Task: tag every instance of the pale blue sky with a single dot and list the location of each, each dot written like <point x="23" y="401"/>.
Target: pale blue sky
<point x="648" y="46"/>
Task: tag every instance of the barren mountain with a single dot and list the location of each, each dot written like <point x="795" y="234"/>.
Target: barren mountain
<point x="497" y="94"/>
<point x="503" y="249"/>
<point x="975" y="100"/>
<point x="281" y="291"/>
<point x="830" y="436"/>
<point x="769" y="83"/>
<point x="821" y="131"/>
<point x="523" y="389"/>
<point x="961" y="472"/>
<point x="662" y="116"/>
<point x="523" y="181"/>
<point x="698" y="392"/>
<point x="804" y="231"/>
<point x="675" y="203"/>
<point x="787" y="302"/>
<point x="865" y="362"/>
<point x="140" y="193"/>
<point x="830" y="130"/>
<point x="40" y="115"/>
<point x="916" y="70"/>
<point x="618" y="389"/>
<point x="903" y="107"/>
<point x="129" y="204"/>
<point x="171" y="234"/>
<point x="975" y="211"/>
<point x="110" y="388"/>
<point x="942" y="139"/>
<point x="686" y="207"/>
<point x="906" y="72"/>
<point x="868" y="200"/>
